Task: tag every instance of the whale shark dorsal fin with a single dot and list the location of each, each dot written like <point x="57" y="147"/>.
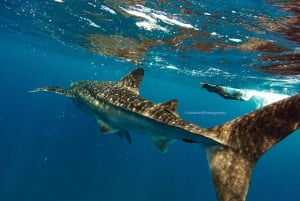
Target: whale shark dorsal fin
<point x="133" y="80"/>
<point x="171" y="106"/>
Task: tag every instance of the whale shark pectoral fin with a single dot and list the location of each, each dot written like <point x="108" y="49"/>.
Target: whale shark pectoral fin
<point x="133" y="80"/>
<point x="231" y="173"/>
<point x="162" y="143"/>
<point x="106" y="129"/>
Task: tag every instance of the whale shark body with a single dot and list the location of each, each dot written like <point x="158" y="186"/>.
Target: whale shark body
<point x="232" y="148"/>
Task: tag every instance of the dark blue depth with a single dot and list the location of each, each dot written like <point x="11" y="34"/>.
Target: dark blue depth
<point x="50" y="150"/>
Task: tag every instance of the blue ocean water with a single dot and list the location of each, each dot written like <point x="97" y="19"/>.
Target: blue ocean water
<point x="52" y="150"/>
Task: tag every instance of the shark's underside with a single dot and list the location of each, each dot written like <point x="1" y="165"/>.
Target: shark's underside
<point x="232" y="148"/>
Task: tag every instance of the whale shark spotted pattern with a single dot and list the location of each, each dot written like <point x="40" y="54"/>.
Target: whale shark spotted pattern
<point x="232" y="148"/>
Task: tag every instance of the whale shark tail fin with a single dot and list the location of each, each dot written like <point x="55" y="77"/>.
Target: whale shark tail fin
<point x="246" y="139"/>
<point x="57" y="90"/>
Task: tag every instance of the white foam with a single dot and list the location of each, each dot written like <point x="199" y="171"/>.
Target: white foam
<point x="152" y="17"/>
<point x="92" y="4"/>
<point x="91" y="23"/>
<point x="237" y="40"/>
<point x="260" y="98"/>
<point x="139" y="13"/>
<point x="172" y="21"/>
<point x="107" y="9"/>
<point x="171" y="67"/>
<point x="150" y="26"/>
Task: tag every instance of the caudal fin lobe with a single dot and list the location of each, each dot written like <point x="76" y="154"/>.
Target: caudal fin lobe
<point x="247" y="138"/>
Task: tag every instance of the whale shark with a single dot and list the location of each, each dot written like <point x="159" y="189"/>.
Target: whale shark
<point x="260" y="98"/>
<point x="232" y="149"/>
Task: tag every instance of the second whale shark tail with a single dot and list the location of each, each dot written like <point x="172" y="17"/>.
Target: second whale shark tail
<point x="246" y="139"/>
